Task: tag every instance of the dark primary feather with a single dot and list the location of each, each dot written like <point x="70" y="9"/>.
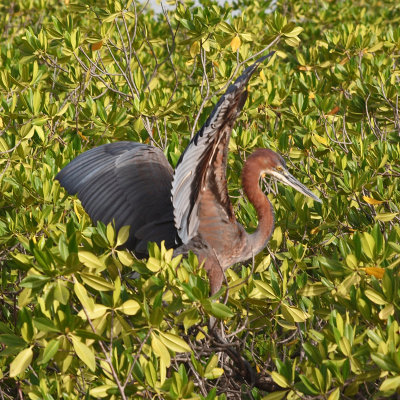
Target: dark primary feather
<point x="129" y="183"/>
<point x="203" y="164"/>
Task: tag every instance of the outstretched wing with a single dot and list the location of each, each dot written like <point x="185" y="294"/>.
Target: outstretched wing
<point x="129" y="183"/>
<point x="203" y="164"/>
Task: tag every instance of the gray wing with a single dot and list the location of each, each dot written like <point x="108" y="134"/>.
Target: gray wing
<point x="203" y="164"/>
<point x="128" y="183"/>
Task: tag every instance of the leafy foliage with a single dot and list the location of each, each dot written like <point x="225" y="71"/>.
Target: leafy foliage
<point x="316" y="314"/>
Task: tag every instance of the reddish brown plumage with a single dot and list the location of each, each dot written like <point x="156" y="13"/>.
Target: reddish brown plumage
<point x="257" y="163"/>
<point x="223" y="240"/>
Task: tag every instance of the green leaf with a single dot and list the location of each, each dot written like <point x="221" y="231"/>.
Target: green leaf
<point x="34" y="281"/>
<point x="384" y="362"/>
<point x="49" y="351"/>
<point x="368" y="244"/>
<point x="219" y="310"/>
<point x="11" y="340"/>
<point x="61" y="292"/>
<point x="44" y="324"/>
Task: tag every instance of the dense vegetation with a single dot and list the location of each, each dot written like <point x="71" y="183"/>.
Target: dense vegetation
<point x="316" y="315"/>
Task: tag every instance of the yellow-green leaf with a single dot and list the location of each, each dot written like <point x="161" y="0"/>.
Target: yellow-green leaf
<point x="264" y="289"/>
<point x="278" y="395"/>
<point x="84" y="352"/>
<point x="335" y="395"/>
<point x="215" y="373"/>
<point x="262" y="76"/>
<point x="21" y="362"/>
<point x="295" y="32"/>
<point x="83" y="297"/>
<point x="160" y="350"/>
<point x="153" y="264"/>
<point x="102" y="391"/>
<point x="125" y="257"/>
<point x="345" y="346"/>
<point x="279" y="379"/>
<point x="292" y="41"/>
<point x="375" y="297"/>
<point x="195" y="48"/>
<point x="390" y="384"/>
<point x="385" y="217"/>
<point x="96" y="312"/>
<point x="96" y="282"/>
<point x="293" y="314"/>
<point x="321" y="139"/>
<point x="123" y="235"/>
<point x="386" y="312"/>
<point x="174" y="342"/>
<point x="315" y="289"/>
<point x="90" y="260"/>
<point x="375" y="47"/>
<point x="130" y="307"/>
<point x="110" y="233"/>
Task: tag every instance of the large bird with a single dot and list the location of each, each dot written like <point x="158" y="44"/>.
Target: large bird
<point x="133" y="184"/>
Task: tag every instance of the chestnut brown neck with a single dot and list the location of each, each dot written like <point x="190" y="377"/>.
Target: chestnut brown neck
<point x="250" y="182"/>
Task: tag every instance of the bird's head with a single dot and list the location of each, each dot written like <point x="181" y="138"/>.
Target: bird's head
<point x="270" y="163"/>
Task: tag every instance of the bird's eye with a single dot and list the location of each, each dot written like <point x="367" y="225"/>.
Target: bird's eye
<point x="278" y="168"/>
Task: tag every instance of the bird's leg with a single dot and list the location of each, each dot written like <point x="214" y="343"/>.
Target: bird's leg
<point x="216" y="277"/>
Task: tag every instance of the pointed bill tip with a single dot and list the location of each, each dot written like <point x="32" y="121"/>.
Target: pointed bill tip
<point x="288" y="179"/>
<point x="263" y="58"/>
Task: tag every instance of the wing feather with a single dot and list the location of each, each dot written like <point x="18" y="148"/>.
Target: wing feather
<point x="195" y="171"/>
<point x="128" y="183"/>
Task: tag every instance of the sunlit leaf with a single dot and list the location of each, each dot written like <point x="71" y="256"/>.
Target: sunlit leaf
<point x="130" y="307"/>
<point x="84" y="352"/>
<point x="235" y="43"/>
<point x="21" y="362"/>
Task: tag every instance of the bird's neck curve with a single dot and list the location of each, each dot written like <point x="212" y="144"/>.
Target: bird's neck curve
<point x="250" y="182"/>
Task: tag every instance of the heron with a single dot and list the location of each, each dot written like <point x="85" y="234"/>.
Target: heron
<point x="133" y="184"/>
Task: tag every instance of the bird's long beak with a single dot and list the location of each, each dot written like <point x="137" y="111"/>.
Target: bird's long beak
<point x="288" y="179"/>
